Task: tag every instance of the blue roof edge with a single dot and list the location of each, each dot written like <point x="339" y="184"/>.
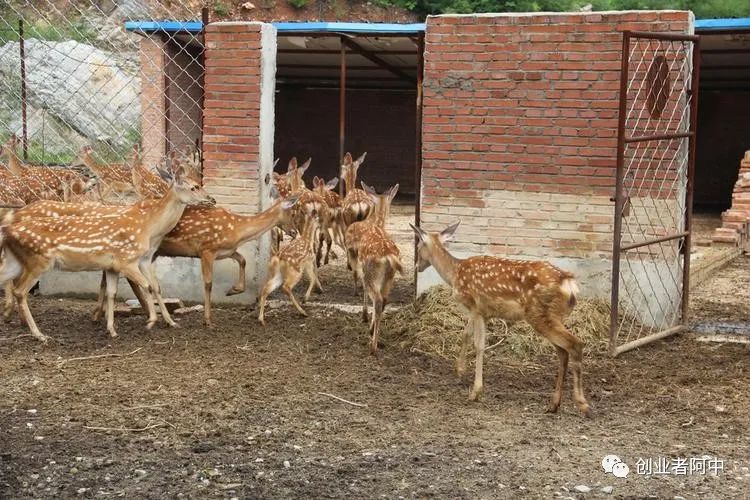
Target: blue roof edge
<point x="722" y="24"/>
<point x="285" y="27"/>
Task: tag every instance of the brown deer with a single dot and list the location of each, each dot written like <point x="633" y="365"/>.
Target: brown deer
<point x="148" y="184"/>
<point x="357" y="204"/>
<point x="375" y="259"/>
<point x="357" y="230"/>
<point x="309" y="202"/>
<point x="215" y="233"/>
<point x="331" y="229"/>
<point x="287" y="267"/>
<point x="491" y="287"/>
<point x="41" y="182"/>
<point x="117" y="244"/>
<point x="113" y="177"/>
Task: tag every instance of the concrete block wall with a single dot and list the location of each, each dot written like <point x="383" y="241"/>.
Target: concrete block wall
<point x="520" y="133"/>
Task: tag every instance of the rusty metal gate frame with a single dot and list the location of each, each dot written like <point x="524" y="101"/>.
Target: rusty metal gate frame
<point x="622" y="200"/>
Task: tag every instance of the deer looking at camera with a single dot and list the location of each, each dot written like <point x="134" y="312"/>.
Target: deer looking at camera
<point x="35" y="182"/>
<point x="287" y="267"/>
<point x="123" y="243"/>
<point x="357" y="204"/>
<point x="375" y="259"/>
<point x="331" y="229"/>
<point x="491" y="287"/>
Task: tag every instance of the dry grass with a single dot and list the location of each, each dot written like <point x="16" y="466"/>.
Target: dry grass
<point x="434" y="324"/>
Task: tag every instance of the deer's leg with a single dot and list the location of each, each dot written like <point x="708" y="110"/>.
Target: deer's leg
<point x="319" y="249"/>
<point x="138" y="292"/>
<point x="133" y="273"/>
<point x="238" y="287"/>
<point x="99" y="308"/>
<point x="479" y="341"/>
<point x="372" y="276"/>
<point x="290" y="280"/>
<point x="149" y="270"/>
<point x="272" y="283"/>
<point x="111" y="290"/>
<point x="562" y="356"/>
<point x="207" y="270"/>
<point x="8" y="308"/>
<point x="465" y="339"/>
<point x="311" y="271"/>
<point x="21" y="294"/>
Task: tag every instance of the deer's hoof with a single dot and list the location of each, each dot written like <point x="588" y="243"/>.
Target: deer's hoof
<point x="552" y="408"/>
<point x="476" y="394"/>
<point x="235" y="291"/>
<point x="113" y="334"/>
<point x="587" y="411"/>
<point x="150" y="325"/>
<point x="42" y="338"/>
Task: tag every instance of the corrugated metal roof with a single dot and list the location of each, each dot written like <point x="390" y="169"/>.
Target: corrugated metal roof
<point x="722" y="24"/>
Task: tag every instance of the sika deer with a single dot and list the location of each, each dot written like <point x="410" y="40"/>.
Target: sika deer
<point x="491" y="287"/>
<point x="331" y="230"/>
<point x="287" y="267"/>
<point x="147" y="184"/>
<point x="118" y="244"/>
<point x="216" y="233"/>
<point x="113" y="177"/>
<point x="41" y="182"/>
<point x="357" y="230"/>
<point x="357" y="204"/>
<point x="375" y="257"/>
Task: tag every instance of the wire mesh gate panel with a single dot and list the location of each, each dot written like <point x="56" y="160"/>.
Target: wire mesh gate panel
<point x="86" y="95"/>
<point x="654" y="187"/>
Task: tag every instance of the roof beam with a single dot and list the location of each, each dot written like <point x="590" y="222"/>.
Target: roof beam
<point x="334" y="67"/>
<point x="337" y="52"/>
<point x="377" y="60"/>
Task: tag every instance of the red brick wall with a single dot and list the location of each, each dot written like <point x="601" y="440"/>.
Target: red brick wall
<point x="152" y="99"/>
<point x="231" y="135"/>
<point x="520" y="128"/>
<point x="379" y="122"/>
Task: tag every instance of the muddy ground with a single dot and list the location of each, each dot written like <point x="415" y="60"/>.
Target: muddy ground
<point x="239" y="411"/>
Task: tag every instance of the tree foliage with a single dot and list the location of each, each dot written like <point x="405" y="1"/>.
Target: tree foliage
<point x="703" y="8"/>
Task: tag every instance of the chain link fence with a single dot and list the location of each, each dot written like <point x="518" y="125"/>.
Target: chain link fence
<point x="92" y="89"/>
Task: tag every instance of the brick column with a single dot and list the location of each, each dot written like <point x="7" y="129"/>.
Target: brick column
<point x="152" y="100"/>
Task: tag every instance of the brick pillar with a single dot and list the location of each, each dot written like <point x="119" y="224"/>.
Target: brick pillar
<point x="736" y="220"/>
<point x="152" y="100"/>
<point x="238" y="130"/>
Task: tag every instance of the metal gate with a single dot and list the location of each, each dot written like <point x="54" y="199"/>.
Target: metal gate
<point x="654" y="188"/>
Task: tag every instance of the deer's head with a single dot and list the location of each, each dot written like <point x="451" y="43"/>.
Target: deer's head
<point x="187" y="189"/>
<point x="429" y="242"/>
<point x="286" y="218"/>
<point x="9" y="147"/>
<point x="350" y="167"/>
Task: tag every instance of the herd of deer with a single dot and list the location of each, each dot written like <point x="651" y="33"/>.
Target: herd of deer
<point x="176" y="217"/>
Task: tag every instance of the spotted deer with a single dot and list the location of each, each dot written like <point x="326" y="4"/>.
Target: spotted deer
<point x="216" y="233"/>
<point x="119" y="244"/>
<point x="148" y="184"/>
<point x="287" y="267"/>
<point x="357" y="230"/>
<point x="331" y="229"/>
<point x="492" y="287"/>
<point x="357" y="204"/>
<point x="114" y="178"/>
<point x="41" y="182"/>
<point x="309" y="203"/>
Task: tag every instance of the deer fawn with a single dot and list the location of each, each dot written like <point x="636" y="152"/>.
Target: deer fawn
<point x="331" y="229"/>
<point x="356" y="231"/>
<point x="216" y="233"/>
<point x="148" y="184"/>
<point x="357" y="204"/>
<point x="123" y="243"/>
<point x="374" y="258"/>
<point x="491" y="287"/>
<point x="113" y="177"/>
<point x="39" y="182"/>
<point x="287" y="267"/>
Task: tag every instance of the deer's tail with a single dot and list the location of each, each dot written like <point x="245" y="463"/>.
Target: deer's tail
<point x="569" y="287"/>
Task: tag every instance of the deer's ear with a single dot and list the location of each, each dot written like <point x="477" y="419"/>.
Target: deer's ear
<point x="419" y="232"/>
<point x="392" y="192"/>
<point x="447" y="233"/>
<point x="331" y="185"/>
<point x="274" y="193"/>
<point x="361" y="159"/>
<point x="289" y="202"/>
<point x="368" y="189"/>
<point x="275" y="162"/>
<point x="305" y="166"/>
<point x="348" y="159"/>
<point x="292" y="164"/>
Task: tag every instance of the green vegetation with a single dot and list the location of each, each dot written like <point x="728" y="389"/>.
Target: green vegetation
<point x="221" y="9"/>
<point x="703" y="8"/>
<point x="297" y="4"/>
<point x="42" y="30"/>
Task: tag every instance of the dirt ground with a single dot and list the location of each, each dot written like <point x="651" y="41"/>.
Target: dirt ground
<point x="239" y="411"/>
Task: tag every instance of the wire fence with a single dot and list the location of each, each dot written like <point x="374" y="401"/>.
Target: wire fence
<point x="89" y="105"/>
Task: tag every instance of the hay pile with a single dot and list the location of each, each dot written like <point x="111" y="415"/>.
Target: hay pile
<point x="434" y="325"/>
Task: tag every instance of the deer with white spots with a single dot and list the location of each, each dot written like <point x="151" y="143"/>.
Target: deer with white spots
<point x="357" y="204"/>
<point x="214" y="233"/>
<point x="113" y="177"/>
<point x="492" y="287"/>
<point x="34" y="182"/>
<point x="332" y="227"/>
<point x="118" y="244"/>
<point x="375" y="259"/>
<point x="149" y="184"/>
<point x="287" y="267"/>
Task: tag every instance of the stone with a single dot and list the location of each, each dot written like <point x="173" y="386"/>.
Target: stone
<point x="607" y="490"/>
<point x="581" y="488"/>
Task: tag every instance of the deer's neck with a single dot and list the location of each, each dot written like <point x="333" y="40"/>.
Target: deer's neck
<point x="252" y="226"/>
<point x="350" y="179"/>
<point x="444" y="263"/>
<point x="380" y="215"/>
<point x="165" y="215"/>
<point x="14" y="165"/>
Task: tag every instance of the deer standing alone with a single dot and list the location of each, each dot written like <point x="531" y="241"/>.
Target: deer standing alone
<point x="492" y="287"/>
<point x="123" y="243"/>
